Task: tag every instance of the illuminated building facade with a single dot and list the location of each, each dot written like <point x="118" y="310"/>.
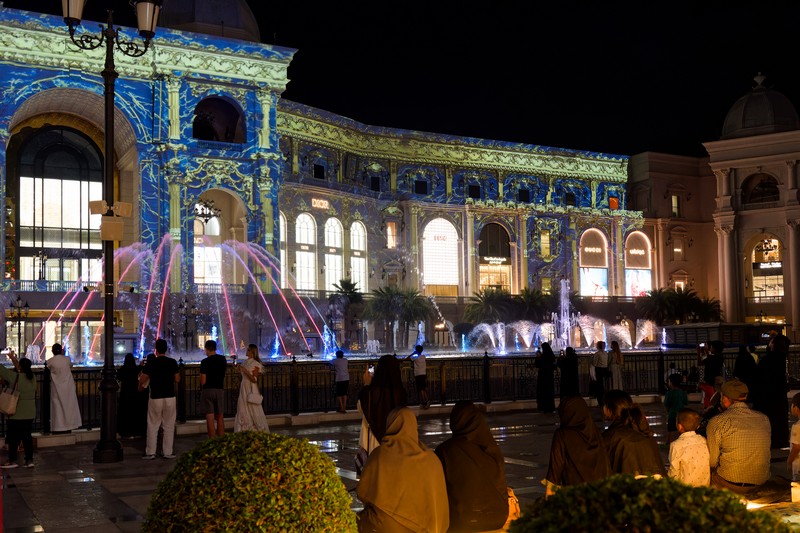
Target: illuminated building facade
<point x="212" y="157"/>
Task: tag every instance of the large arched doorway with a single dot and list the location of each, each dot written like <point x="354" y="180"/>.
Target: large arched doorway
<point x="495" y="258"/>
<point x="593" y="256"/>
<point x="440" y="258"/>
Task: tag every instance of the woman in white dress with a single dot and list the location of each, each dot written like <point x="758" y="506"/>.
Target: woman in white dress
<point x="615" y="364"/>
<point x="249" y="409"/>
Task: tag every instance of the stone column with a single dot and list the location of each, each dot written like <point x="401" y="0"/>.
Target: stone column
<point x="176" y="191"/>
<point x="174" y="107"/>
<point x="727" y="272"/>
<point x="791" y="182"/>
<point x="469" y="252"/>
<point x="793" y="294"/>
<point x="265" y="99"/>
<point x="523" y="246"/>
<point x="414" y="238"/>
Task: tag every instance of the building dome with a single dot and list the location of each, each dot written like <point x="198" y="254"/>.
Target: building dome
<point x="225" y="18"/>
<point x="759" y="112"/>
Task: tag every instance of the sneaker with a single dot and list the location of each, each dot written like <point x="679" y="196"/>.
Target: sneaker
<point x="29" y="464"/>
<point x="169" y="456"/>
<point x="9" y="464"/>
<point x="148" y="457"/>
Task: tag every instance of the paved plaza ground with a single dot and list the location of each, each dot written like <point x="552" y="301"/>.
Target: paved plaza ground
<point x="67" y="492"/>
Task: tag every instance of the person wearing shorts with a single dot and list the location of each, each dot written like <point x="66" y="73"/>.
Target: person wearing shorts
<point x="212" y="381"/>
<point x="342" y="380"/>
<point x="420" y="376"/>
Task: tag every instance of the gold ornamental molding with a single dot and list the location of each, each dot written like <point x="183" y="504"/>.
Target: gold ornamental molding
<point x="43" y="41"/>
<point x="525" y="158"/>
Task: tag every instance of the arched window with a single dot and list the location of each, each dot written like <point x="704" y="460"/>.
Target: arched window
<point x="638" y="266"/>
<point x="216" y="119"/>
<point x="593" y="263"/>
<point x="760" y="188"/>
<point x="333" y="254"/>
<point x="358" y="256"/>
<point x="207" y="251"/>
<point x="495" y="258"/>
<point x="305" y="235"/>
<point x="59" y="172"/>
<point x="440" y="258"/>
<point x="767" y="264"/>
<point x="282" y="240"/>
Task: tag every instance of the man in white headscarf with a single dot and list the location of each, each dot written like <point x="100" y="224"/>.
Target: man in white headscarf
<point x="64" y="412"/>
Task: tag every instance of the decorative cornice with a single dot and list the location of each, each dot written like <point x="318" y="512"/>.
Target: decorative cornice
<point x="414" y="147"/>
<point x="34" y="39"/>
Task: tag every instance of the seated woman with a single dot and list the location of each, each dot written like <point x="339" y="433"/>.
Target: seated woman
<point x="630" y="443"/>
<point x="402" y="486"/>
<point x="578" y="453"/>
<point x="474" y="471"/>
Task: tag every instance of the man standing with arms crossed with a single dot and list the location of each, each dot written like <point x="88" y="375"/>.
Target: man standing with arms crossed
<point x="162" y="373"/>
<point x="212" y="380"/>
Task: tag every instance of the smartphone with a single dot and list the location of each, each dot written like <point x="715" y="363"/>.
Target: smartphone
<point x="371" y="369"/>
<point x="702" y="345"/>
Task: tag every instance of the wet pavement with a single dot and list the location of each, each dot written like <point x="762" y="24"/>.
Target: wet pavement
<point x="67" y="492"/>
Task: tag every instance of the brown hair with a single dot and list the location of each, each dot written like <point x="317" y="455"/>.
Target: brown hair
<point x="689" y="419"/>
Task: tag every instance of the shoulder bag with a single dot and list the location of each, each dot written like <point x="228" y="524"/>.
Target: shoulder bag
<point x="9" y="399"/>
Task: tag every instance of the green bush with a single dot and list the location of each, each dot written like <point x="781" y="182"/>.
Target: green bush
<point x="623" y="503"/>
<point x="251" y="481"/>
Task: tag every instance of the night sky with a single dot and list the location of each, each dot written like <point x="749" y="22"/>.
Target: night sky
<point x="583" y="75"/>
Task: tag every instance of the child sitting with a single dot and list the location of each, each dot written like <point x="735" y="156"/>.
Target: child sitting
<point x="675" y="400"/>
<point x="793" y="462"/>
<point x="688" y="455"/>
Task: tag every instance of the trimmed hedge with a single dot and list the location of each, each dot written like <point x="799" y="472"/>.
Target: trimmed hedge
<point x="251" y="481"/>
<point x="623" y="503"/>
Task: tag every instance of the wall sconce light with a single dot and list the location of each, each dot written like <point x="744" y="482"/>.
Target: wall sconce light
<point x="322" y="270"/>
<point x="746" y="282"/>
<point x="294" y="267"/>
<point x="691" y="282"/>
<point x="349" y="273"/>
<point x="372" y="273"/>
<point x="383" y="273"/>
<point x="688" y="196"/>
<point x="690" y="242"/>
<point x="668" y="241"/>
<point x="404" y="272"/>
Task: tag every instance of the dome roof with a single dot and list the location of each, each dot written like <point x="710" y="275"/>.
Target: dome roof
<point x="225" y="18"/>
<point x="759" y="112"/>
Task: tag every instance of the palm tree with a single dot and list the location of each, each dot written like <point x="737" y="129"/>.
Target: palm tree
<point x="385" y="305"/>
<point x="342" y="301"/>
<point x="655" y="306"/>
<point x="488" y="305"/>
<point x="415" y="307"/>
<point x="709" y="310"/>
<point x="682" y="303"/>
<point x="532" y="304"/>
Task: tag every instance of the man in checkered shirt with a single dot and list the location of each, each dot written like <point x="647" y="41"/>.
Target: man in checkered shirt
<point x="738" y="443"/>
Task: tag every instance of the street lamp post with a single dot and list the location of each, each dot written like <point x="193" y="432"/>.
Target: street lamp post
<point x="18" y="312"/>
<point x="108" y="449"/>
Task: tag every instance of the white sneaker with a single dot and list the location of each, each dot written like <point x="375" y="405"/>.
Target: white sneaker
<point x="169" y="456"/>
<point x="148" y="457"/>
<point x="29" y="464"/>
<point x="9" y="465"/>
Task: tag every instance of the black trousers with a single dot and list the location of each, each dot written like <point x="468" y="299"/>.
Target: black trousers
<point x="19" y="431"/>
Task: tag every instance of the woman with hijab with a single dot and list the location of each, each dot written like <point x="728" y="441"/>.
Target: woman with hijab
<point x="545" y="385"/>
<point x="569" y="373"/>
<point x="250" y="406"/>
<point x="630" y="443"/>
<point x="578" y="453"/>
<point x="132" y="404"/>
<point x="616" y="361"/>
<point x="402" y="488"/>
<point x="474" y="471"/>
<point x="383" y="393"/>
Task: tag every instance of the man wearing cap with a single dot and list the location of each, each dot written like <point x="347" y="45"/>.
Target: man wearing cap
<point x="738" y="443"/>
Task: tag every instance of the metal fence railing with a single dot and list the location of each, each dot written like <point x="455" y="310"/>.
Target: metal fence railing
<point x="308" y="386"/>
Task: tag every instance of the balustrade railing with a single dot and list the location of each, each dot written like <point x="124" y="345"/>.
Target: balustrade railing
<point x="308" y="386"/>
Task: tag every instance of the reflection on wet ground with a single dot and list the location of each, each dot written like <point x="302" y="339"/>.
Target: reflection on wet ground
<point x="67" y="492"/>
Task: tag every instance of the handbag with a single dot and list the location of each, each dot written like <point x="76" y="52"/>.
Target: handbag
<point x="360" y="460"/>
<point x="9" y="399"/>
<point x="255" y="397"/>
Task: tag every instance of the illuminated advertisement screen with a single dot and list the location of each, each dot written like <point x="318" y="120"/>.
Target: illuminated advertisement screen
<point x="594" y="282"/>
<point x="637" y="282"/>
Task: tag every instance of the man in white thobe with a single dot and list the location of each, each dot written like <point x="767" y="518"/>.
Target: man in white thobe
<point x="64" y="412"/>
